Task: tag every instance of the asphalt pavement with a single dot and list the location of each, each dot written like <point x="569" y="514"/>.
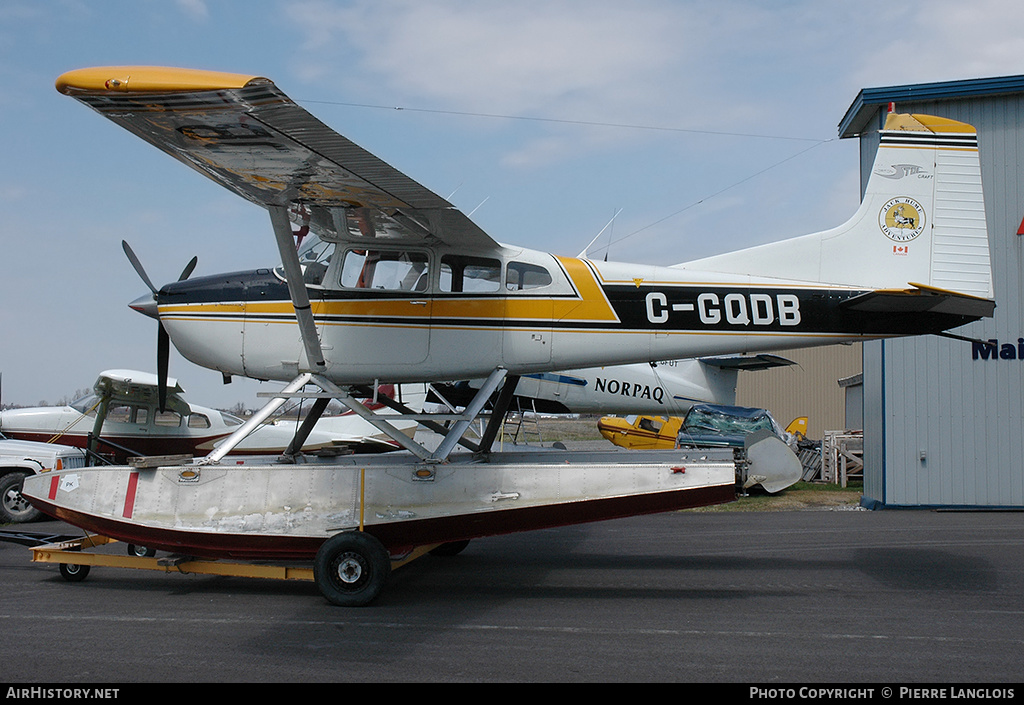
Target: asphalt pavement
<point x="879" y="597"/>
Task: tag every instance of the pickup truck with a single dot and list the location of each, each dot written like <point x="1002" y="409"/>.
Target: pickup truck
<point x="18" y="460"/>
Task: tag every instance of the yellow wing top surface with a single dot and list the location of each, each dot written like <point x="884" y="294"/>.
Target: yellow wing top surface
<point x="244" y="133"/>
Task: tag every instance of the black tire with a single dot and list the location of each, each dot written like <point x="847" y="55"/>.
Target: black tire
<point x="351" y="568"/>
<point x="452" y="548"/>
<point x="14" y="508"/>
<point x="141" y="551"/>
<point x="74" y="573"/>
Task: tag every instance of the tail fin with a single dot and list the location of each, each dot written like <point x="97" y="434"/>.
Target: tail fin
<point x="921" y="223"/>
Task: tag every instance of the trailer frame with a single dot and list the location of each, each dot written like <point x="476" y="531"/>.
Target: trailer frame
<point x="75" y="557"/>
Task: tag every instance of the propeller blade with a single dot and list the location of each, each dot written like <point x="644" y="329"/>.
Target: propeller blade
<point x="137" y="265"/>
<point x="163" y="352"/>
<point x="187" y="271"/>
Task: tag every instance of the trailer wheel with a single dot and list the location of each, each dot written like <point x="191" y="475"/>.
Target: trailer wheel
<point x="73" y="572"/>
<point x="350" y="569"/>
<point x="140" y="551"/>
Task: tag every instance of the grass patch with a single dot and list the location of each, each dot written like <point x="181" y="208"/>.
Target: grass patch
<point x="802" y="495"/>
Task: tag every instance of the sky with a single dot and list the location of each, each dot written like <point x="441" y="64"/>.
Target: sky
<point x="667" y="129"/>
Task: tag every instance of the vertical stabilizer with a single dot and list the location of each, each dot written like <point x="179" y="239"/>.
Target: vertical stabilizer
<point x="921" y="222"/>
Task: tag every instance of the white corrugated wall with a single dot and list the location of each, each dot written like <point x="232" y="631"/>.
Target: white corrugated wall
<point x="943" y="428"/>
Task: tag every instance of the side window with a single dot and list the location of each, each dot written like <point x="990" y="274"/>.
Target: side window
<point x="167" y="419"/>
<point x="522" y="276"/>
<point x="198" y="421"/>
<point x="383" y="269"/>
<point x="124" y="413"/>
<point x="649" y="424"/>
<point x="460" y="273"/>
<point x="120" y="413"/>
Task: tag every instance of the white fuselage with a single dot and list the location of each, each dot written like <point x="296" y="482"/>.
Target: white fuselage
<point x="420" y="326"/>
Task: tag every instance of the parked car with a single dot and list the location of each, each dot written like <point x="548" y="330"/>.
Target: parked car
<point x="18" y="460"/>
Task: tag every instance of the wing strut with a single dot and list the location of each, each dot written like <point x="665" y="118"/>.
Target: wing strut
<point x="317" y="364"/>
<point x="297" y="287"/>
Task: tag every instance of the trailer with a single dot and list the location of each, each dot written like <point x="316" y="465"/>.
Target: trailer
<point x="75" y="556"/>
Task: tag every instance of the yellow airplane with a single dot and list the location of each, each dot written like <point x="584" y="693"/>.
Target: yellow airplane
<point x="637" y="432"/>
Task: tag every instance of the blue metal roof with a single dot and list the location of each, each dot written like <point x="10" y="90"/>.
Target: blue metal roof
<point x="859" y="114"/>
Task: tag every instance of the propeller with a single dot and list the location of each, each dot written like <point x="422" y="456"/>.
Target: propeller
<point x="148" y="306"/>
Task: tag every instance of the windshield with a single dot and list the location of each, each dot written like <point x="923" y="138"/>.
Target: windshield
<point x="86" y="404"/>
<point x="708" y="421"/>
<point x="314" y="256"/>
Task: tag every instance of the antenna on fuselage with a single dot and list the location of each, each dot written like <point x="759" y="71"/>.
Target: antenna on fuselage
<point x="601" y="232"/>
<point x="468" y="215"/>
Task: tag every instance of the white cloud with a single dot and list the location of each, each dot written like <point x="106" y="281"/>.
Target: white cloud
<point x="196" y="9"/>
<point x="510" y="58"/>
<point x="945" y="40"/>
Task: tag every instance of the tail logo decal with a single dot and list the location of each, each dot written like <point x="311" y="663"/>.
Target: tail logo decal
<point x="901" y="219"/>
<point x="902" y="171"/>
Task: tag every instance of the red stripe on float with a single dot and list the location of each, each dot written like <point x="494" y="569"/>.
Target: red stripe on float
<point x="54" y="484"/>
<point x="129" y="498"/>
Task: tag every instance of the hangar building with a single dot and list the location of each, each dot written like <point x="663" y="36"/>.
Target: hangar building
<point x="942" y="417"/>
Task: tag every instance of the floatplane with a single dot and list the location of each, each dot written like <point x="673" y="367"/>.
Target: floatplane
<point x="401" y="286"/>
<point x="125" y="416"/>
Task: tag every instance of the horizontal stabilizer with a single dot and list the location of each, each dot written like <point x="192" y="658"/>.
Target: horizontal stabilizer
<point x="747" y="362"/>
<point x="920" y="299"/>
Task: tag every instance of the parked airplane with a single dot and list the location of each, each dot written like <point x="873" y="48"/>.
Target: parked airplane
<point x="665" y="387"/>
<point x="121" y="419"/>
<point x="401" y="286"/>
<point x="703" y="426"/>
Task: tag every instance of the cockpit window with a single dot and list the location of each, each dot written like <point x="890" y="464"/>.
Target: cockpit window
<point x="522" y="276"/>
<point x="460" y="273"/>
<point x="314" y="258"/>
<point x="391" y="270"/>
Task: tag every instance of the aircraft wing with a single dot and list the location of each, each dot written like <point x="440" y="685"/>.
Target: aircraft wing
<point x="131" y="386"/>
<point x="247" y="135"/>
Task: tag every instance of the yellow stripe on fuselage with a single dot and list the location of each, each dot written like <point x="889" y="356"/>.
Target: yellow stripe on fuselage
<point x="590" y="305"/>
